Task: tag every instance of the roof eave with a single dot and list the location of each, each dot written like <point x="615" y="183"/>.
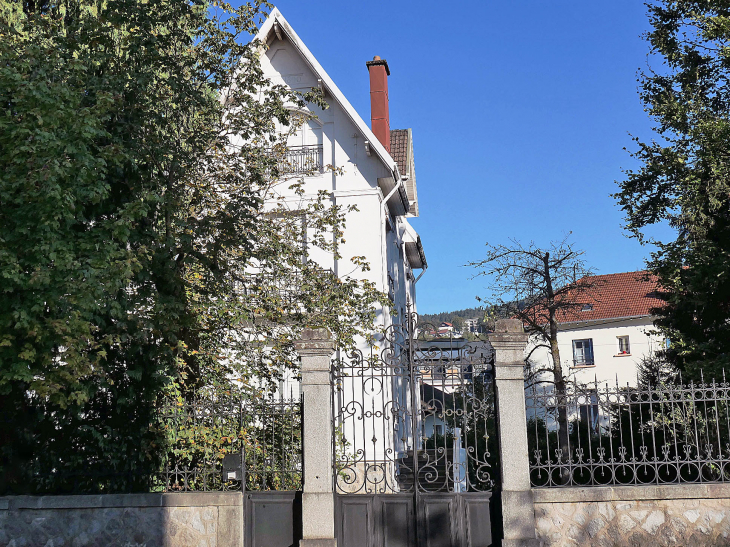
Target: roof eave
<point x="603" y="320"/>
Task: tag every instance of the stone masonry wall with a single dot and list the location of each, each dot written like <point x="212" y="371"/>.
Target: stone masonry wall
<point x="129" y="520"/>
<point x="634" y="516"/>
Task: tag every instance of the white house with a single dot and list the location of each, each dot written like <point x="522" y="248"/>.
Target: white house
<point x="374" y="170"/>
<point x="607" y="338"/>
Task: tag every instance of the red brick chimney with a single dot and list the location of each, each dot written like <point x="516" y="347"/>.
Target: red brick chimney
<point x="379" y="113"/>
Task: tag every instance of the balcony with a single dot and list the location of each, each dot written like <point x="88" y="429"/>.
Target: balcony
<point x="302" y="160"/>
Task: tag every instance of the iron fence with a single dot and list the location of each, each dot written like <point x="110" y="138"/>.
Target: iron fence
<point x="232" y="444"/>
<point x="596" y="435"/>
<point x="222" y="443"/>
<point x="416" y="414"/>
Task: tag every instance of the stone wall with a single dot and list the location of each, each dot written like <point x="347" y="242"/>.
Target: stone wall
<point x="634" y="516"/>
<point x="127" y="520"/>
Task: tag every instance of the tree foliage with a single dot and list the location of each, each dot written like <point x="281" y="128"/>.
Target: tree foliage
<point x="684" y="178"/>
<point x="143" y="251"/>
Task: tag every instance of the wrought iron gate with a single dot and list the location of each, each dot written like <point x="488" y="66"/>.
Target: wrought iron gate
<point x="415" y="440"/>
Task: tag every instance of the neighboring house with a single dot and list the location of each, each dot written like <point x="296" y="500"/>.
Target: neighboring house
<point x="471" y="325"/>
<point x="377" y="167"/>
<point x="608" y="337"/>
<point x="445" y="328"/>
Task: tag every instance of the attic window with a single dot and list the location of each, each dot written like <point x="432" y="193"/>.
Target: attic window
<point x="587" y="307"/>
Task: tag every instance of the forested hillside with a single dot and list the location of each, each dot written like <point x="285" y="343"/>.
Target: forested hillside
<point x="437" y="318"/>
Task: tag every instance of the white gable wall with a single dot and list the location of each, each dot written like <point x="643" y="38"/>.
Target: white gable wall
<point x="355" y="184"/>
<point x="343" y="134"/>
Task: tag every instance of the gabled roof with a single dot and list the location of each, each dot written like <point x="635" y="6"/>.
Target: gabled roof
<point x="617" y="296"/>
<point x="401" y="148"/>
<point x="329" y="86"/>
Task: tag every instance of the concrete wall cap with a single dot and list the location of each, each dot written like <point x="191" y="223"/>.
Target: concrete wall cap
<point x="323" y="347"/>
<point x="105" y="501"/>
<point x="665" y="492"/>
<point x="315" y="342"/>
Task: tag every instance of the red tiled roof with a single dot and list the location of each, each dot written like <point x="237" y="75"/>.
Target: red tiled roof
<point x="614" y="296"/>
<point x="399" y="148"/>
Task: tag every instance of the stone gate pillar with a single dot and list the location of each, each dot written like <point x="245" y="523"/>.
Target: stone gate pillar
<point x="315" y="347"/>
<point x="518" y="510"/>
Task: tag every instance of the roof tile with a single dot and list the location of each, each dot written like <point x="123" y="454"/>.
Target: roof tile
<point x="399" y="148"/>
<point x="620" y="295"/>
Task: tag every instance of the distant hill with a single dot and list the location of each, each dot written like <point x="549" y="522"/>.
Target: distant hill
<point x="438" y="318"/>
<point x="498" y="312"/>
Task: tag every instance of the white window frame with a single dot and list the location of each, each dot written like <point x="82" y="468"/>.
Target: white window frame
<point x="621" y="339"/>
<point x="586" y="360"/>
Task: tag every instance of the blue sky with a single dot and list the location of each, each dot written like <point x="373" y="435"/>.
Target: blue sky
<point x="520" y="113"/>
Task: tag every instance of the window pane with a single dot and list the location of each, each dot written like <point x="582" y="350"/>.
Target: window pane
<point x="623" y="344"/>
<point x="583" y="352"/>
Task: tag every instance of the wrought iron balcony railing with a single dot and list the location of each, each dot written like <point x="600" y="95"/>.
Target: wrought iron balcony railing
<point x="302" y="160"/>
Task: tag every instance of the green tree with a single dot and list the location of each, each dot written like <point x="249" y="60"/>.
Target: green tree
<point x="684" y="178"/>
<point x="458" y="323"/>
<point x="139" y="145"/>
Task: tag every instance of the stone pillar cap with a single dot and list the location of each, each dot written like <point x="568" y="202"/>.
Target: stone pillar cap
<point x="315" y="334"/>
<point x="315" y="342"/>
<point x="509" y="325"/>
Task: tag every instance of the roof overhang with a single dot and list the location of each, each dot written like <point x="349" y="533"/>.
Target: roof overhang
<point x="415" y="254"/>
<point x="398" y="203"/>
<point x="569" y="325"/>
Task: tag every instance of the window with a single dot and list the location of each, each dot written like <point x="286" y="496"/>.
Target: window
<point x="583" y="353"/>
<point x="623" y="345"/>
<point x="587" y="307"/>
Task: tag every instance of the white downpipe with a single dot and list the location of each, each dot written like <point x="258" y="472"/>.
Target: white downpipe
<point x="390" y="194"/>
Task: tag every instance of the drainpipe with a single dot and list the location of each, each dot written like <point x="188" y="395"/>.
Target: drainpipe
<point x="393" y="191"/>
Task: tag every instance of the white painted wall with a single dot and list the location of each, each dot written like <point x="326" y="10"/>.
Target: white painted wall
<point x="366" y="234"/>
<point x="366" y="231"/>
<point x="609" y="366"/>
